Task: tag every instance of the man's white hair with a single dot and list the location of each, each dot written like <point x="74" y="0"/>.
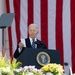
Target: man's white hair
<point x="34" y="25"/>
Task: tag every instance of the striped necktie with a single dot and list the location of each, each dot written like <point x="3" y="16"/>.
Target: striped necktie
<point x="33" y="44"/>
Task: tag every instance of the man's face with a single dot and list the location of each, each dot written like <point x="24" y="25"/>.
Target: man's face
<point x="33" y="31"/>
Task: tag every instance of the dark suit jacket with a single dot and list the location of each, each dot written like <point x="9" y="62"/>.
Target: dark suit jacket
<point x="39" y="43"/>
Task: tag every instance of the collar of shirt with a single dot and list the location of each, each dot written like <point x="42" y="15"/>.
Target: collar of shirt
<point x="31" y="40"/>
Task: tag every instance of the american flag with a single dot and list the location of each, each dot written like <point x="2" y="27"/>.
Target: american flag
<point x="55" y="19"/>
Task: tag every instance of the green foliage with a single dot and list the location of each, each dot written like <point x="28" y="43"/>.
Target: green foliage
<point x="15" y="64"/>
<point x="3" y="61"/>
<point x="6" y="67"/>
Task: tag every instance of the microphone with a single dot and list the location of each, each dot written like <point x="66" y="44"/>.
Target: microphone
<point x="36" y="42"/>
<point x="66" y="64"/>
<point x="40" y="43"/>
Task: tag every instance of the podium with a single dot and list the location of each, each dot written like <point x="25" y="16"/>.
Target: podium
<point x="30" y="56"/>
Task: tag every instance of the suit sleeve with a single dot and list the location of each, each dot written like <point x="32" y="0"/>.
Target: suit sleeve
<point x="16" y="53"/>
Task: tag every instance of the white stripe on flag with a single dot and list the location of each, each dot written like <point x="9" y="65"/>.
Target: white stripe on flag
<point x="23" y="18"/>
<point x="67" y="33"/>
<point x="37" y="19"/>
<point x="51" y="24"/>
<point x="13" y="32"/>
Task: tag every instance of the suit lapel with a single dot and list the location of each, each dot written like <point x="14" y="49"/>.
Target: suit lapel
<point x="28" y="44"/>
<point x="38" y="45"/>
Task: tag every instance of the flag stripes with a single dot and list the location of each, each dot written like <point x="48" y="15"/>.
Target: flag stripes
<point x="9" y="30"/>
<point x="66" y="33"/>
<point x="51" y="24"/>
<point x="23" y="18"/>
<point x="44" y="21"/>
<point x="59" y="35"/>
<point x="37" y="15"/>
<point x="55" y="19"/>
<point x="30" y="12"/>
<point x="17" y="18"/>
<point x="73" y="32"/>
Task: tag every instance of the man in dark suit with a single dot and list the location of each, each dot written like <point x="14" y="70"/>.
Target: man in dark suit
<point x="30" y="42"/>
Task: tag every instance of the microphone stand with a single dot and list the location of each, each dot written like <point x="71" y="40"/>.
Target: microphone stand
<point x="70" y="69"/>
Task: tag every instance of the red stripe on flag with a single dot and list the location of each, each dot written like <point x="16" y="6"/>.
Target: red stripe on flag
<point x="59" y="37"/>
<point x="44" y="21"/>
<point x="9" y="31"/>
<point x="17" y="18"/>
<point x="30" y="11"/>
<point x="73" y="33"/>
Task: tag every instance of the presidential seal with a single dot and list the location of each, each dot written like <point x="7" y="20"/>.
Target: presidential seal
<point x="43" y="58"/>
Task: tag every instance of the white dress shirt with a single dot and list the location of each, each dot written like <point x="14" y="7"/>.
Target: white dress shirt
<point x="31" y="40"/>
<point x="23" y="41"/>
